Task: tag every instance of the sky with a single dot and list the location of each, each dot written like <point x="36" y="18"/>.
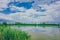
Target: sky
<point x="30" y="11"/>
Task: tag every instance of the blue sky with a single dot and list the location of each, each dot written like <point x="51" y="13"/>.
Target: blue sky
<point x="30" y="11"/>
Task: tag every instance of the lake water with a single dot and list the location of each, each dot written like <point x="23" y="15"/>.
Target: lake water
<point x="41" y="33"/>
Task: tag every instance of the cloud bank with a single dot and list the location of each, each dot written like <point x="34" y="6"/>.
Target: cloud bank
<point x="36" y="14"/>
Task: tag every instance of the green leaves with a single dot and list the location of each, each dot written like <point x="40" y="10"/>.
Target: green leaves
<point x="7" y="33"/>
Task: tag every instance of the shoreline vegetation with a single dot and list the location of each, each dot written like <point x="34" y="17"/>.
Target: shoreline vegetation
<point x="23" y="24"/>
<point x="7" y="33"/>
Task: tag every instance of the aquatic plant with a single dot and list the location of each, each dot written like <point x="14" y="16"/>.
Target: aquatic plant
<point x="7" y="33"/>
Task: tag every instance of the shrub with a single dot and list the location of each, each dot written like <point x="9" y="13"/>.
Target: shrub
<point x="13" y="34"/>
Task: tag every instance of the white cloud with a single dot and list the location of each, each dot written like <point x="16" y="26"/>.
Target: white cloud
<point x="4" y="16"/>
<point x="28" y="16"/>
<point x="3" y="3"/>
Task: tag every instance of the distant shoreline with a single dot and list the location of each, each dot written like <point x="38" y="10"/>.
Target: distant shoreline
<point x="30" y="24"/>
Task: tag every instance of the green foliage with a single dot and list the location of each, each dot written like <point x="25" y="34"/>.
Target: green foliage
<point x="13" y="34"/>
<point x="4" y="23"/>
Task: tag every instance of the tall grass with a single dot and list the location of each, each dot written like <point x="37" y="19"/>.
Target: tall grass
<point x="6" y="33"/>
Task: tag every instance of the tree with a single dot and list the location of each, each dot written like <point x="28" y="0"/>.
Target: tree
<point x="4" y="23"/>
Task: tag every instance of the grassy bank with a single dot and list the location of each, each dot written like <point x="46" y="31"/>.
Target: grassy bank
<point x="7" y="33"/>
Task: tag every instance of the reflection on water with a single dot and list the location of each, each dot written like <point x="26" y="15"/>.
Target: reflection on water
<point x="41" y="33"/>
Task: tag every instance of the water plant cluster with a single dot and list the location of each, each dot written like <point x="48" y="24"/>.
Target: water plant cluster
<point x="7" y="33"/>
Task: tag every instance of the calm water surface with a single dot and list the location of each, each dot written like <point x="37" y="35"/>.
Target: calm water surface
<point x="41" y="33"/>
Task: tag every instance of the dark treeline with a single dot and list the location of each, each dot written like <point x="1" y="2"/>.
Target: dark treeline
<point x="24" y="24"/>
